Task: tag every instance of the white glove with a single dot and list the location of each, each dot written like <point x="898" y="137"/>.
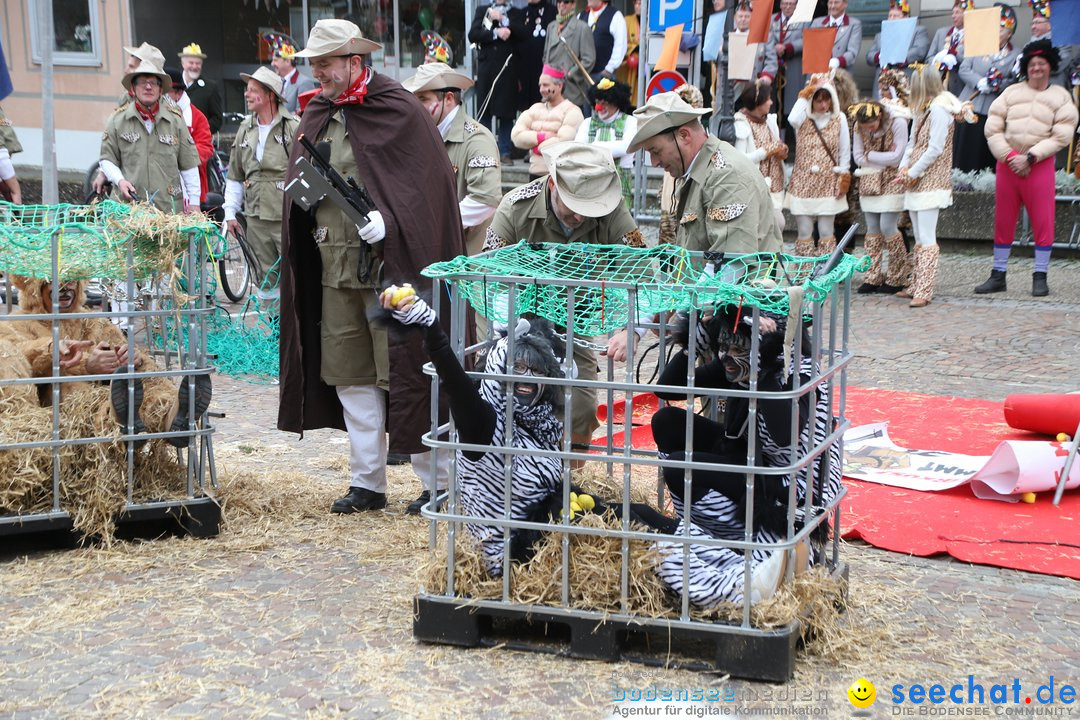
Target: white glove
<point x="375" y="230"/>
<point x="416" y="313"/>
<point x="983" y="85"/>
<point x="834" y="63"/>
<point x="948" y="60"/>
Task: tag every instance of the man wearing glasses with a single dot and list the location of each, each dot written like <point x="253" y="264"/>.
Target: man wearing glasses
<point x="147" y="152"/>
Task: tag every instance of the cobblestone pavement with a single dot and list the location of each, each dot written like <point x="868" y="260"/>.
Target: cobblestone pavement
<point x="300" y="614"/>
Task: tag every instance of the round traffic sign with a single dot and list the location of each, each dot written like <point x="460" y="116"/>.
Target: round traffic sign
<point x="664" y="81"/>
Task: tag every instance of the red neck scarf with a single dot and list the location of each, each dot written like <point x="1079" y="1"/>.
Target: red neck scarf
<point x="146" y="114"/>
<point x="355" y="93"/>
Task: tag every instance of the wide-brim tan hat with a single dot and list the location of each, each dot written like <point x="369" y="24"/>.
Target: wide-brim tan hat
<point x="331" y="38"/>
<point x="267" y="78"/>
<point x="436" y="76"/>
<point x="147" y="53"/>
<point x="585" y="178"/>
<point x="663" y="111"/>
<point x="192" y="50"/>
<point x="147" y="68"/>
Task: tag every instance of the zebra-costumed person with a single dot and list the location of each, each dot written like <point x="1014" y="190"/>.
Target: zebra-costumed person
<point x="717" y="499"/>
<point x="479" y="414"/>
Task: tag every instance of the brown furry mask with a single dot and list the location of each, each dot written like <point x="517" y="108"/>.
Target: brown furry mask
<point x="35" y="294"/>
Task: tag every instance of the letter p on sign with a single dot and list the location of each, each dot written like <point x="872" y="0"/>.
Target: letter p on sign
<point x="665" y="13"/>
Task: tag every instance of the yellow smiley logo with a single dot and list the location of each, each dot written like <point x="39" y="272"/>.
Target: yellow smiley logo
<point x="862" y="693"/>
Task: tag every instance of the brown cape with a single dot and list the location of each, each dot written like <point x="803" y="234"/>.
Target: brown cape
<point x="403" y="164"/>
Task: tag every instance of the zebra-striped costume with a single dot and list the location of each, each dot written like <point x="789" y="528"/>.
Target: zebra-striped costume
<point x="481" y="482"/>
<point x="480" y="415"/>
<point x="716" y="573"/>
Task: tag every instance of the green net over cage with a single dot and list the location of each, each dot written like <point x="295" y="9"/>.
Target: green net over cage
<point x="664" y="278"/>
<point x="91" y="241"/>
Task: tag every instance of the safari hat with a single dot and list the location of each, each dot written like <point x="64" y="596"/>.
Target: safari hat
<point x="330" y="38"/>
<point x="663" y="111"/>
<point x="267" y="78"/>
<point x="148" y="68"/>
<point x="585" y="177"/>
<point x="192" y="50"/>
<point x="436" y="76"/>
<point x="147" y="53"/>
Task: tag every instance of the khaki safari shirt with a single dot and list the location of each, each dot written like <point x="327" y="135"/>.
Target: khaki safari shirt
<point x="525" y="214"/>
<point x="151" y="161"/>
<point x="264" y="180"/>
<point x="335" y="234"/>
<point x="474" y="156"/>
<point x="724" y="204"/>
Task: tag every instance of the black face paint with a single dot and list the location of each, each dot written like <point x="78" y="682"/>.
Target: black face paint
<point x="526" y="394"/>
<point x="736" y="365"/>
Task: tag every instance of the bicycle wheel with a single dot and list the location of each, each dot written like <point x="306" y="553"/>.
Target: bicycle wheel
<point x="235" y="268"/>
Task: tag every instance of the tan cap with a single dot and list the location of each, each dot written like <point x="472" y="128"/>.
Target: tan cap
<point x="330" y="38"/>
<point x="436" y="76"/>
<point x="585" y="177"/>
<point x="268" y="78"/>
<point x="663" y="111"/>
<point x="192" y="50"/>
<point x="147" y="53"/>
<point x="148" y="68"/>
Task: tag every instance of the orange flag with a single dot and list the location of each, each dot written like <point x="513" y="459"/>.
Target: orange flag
<point x="981" y="32"/>
<point x="817" y="49"/>
<point x="669" y="53"/>
<point x="759" y="22"/>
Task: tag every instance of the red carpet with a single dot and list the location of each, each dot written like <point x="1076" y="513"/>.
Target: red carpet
<point x="1037" y="537"/>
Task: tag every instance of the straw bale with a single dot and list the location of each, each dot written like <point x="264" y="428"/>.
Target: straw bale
<point x="594" y="480"/>
<point x="93" y="477"/>
<point x="595" y="573"/>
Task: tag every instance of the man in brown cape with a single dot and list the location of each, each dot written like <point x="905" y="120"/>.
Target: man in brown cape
<point x="337" y="369"/>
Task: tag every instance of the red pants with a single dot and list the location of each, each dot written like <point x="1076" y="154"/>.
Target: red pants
<point x="1036" y="193"/>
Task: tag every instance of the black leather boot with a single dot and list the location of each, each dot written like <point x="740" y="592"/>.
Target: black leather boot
<point x="1039" y="288"/>
<point x="995" y="283"/>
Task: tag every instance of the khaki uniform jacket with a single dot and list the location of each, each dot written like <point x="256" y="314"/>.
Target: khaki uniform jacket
<point x="8" y="140"/>
<point x="264" y="181"/>
<point x="724" y="204"/>
<point x="151" y="161"/>
<point x="474" y="155"/>
<point x="525" y="214"/>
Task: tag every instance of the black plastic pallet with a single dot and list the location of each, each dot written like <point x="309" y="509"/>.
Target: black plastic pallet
<point x="766" y="655"/>
<point x="197" y="517"/>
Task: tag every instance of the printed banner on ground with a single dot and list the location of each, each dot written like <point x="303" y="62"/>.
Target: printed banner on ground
<point x="1016" y="466"/>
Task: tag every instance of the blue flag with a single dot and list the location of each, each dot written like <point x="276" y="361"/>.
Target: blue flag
<point x="896" y="37"/>
<point x="5" y="77"/>
<point x="714" y="35"/>
<point x="1066" y="15"/>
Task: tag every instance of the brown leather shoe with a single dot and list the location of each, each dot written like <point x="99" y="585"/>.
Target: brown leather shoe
<point x="919" y="302"/>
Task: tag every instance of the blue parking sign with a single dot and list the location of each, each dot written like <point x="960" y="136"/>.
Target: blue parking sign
<point x="665" y="13"/>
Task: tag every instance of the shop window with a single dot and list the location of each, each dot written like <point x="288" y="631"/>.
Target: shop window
<point x="76" y="32"/>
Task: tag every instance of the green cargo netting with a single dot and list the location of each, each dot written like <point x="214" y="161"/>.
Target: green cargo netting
<point x="665" y="278"/>
<point x="92" y="240"/>
<point x="244" y="346"/>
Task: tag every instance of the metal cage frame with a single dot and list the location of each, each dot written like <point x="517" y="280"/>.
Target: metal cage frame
<point x="198" y="512"/>
<point x="740" y="648"/>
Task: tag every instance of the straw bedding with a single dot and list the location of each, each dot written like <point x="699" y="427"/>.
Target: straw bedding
<point x="93" y="476"/>
<point x="292" y="612"/>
